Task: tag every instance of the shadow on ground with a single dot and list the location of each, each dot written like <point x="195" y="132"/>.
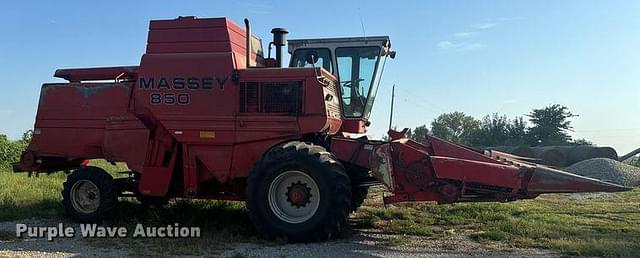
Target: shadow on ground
<point x="225" y="230"/>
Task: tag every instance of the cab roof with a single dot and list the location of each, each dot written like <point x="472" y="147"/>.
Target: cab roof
<point x="381" y="41"/>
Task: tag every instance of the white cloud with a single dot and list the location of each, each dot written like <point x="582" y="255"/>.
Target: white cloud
<point x="459" y="46"/>
<point x="459" y="41"/>
<point x="484" y="26"/>
<point x="464" y="34"/>
<point x="445" y="44"/>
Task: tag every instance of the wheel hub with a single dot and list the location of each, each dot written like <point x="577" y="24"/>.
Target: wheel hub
<point x="85" y="196"/>
<point x="294" y="196"/>
<point x="298" y="194"/>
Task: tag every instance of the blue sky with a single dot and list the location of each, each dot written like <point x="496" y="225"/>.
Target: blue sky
<point x="477" y="57"/>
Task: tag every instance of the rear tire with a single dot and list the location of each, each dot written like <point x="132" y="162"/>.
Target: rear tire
<point x="299" y="192"/>
<point x="89" y="194"/>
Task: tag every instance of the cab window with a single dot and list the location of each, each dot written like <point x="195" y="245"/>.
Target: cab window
<point x="324" y="58"/>
<point x="356" y="67"/>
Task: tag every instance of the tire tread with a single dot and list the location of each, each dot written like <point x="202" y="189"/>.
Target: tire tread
<point x="338" y="179"/>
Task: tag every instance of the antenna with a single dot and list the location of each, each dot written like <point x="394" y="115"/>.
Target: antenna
<point x="364" y="34"/>
<point x="393" y="95"/>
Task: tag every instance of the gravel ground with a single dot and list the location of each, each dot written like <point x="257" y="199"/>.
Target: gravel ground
<point x="69" y="247"/>
<point x="374" y="244"/>
<point x="362" y="244"/>
<point x="607" y="170"/>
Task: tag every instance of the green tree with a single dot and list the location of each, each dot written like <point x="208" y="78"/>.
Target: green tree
<point x="491" y="132"/>
<point x="5" y="150"/>
<point x="550" y="125"/>
<point x="455" y="127"/>
<point x="418" y="134"/>
<point x="9" y="151"/>
<point x="517" y="132"/>
<point x="26" y="136"/>
<point x="498" y="130"/>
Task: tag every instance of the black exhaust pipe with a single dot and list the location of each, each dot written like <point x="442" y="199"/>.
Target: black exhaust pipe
<point x="248" y="45"/>
<point x="279" y="40"/>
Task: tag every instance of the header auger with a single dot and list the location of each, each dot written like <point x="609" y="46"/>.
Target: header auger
<point x="206" y="115"/>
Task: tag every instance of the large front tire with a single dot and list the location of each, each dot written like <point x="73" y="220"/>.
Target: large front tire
<point x="299" y="192"/>
<point x="89" y="194"/>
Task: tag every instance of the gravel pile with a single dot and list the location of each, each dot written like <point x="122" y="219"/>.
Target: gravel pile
<point x="607" y="170"/>
<point x="559" y="156"/>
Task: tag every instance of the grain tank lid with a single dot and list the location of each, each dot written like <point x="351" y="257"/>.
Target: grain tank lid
<point x="190" y="22"/>
<point x="97" y="73"/>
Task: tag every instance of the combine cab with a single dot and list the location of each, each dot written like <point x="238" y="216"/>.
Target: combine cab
<point x="206" y="115"/>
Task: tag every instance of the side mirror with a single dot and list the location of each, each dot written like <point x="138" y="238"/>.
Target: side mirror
<point x="311" y="57"/>
<point x="392" y="54"/>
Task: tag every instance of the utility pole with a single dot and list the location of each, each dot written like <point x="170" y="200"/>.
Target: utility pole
<point x="393" y="92"/>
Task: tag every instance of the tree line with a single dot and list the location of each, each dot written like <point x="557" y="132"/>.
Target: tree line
<point x="10" y="151"/>
<point x="546" y="126"/>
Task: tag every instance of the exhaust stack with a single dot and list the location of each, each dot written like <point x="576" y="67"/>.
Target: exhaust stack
<point x="248" y="44"/>
<point x="279" y="40"/>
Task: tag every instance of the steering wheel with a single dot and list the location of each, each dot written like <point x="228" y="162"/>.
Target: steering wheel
<point x="350" y="82"/>
<point x="358" y="95"/>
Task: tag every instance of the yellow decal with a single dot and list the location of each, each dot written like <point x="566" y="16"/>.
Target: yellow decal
<point x="207" y="134"/>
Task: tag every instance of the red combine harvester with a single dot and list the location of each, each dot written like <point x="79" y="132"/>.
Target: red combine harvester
<point x="206" y="115"/>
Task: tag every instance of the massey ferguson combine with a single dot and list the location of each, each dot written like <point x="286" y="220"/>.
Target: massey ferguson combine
<point x="205" y="115"/>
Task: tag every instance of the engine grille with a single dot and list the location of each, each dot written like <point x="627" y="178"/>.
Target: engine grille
<point x="249" y="97"/>
<point x="271" y="97"/>
<point x="282" y="97"/>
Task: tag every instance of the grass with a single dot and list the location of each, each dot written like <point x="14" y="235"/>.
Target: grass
<point x="608" y="227"/>
<point x="22" y="196"/>
<point x="221" y="222"/>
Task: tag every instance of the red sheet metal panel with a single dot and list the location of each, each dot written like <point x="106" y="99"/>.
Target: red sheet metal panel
<point x="125" y="139"/>
<point x="477" y="172"/>
<point x="448" y="149"/>
<point x="97" y="73"/>
<point x="196" y="35"/>
<point x="72" y="117"/>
